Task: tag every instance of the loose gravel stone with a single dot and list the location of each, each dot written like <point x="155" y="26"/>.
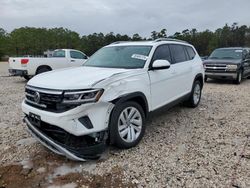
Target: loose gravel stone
<point x="182" y="147"/>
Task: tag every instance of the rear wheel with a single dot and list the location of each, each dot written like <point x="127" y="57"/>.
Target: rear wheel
<point x="26" y="77"/>
<point x="127" y="125"/>
<point x="195" y="96"/>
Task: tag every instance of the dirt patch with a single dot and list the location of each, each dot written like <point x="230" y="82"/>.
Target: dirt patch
<point x="39" y="173"/>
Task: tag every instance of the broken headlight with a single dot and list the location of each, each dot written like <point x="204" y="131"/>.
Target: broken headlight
<point x="85" y="96"/>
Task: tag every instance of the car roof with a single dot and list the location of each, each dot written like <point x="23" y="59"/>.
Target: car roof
<point x="150" y="42"/>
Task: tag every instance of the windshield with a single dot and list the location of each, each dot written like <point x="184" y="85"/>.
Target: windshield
<point x="58" y="53"/>
<point x="127" y="57"/>
<point x="226" y="54"/>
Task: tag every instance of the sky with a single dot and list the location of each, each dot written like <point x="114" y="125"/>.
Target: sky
<point x="124" y="17"/>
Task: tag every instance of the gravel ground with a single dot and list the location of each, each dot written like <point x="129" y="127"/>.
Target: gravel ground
<point x="204" y="147"/>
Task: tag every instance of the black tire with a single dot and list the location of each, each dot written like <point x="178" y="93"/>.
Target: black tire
<point x="42" y="70"/>
<point x="192" y="101"/>
<point x="205" y="79"/>
<point x="239" y="77"/>
<point x="115" y="138"/>
<point x="26" y="77"/>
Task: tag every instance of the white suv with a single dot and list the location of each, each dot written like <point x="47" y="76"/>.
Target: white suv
<point x="76" y="111"/>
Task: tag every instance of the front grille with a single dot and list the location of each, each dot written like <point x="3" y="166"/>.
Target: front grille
<point x="216" y="67"/>
<point x="49" y="100"/>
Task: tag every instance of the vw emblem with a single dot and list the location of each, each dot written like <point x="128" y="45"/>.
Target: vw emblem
<point x="36" y="97"/>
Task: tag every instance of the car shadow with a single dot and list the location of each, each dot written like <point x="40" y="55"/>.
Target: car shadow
<point x="224" y="82"/>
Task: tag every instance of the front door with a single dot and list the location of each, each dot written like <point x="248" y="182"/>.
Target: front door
<point x="163" y="82"/>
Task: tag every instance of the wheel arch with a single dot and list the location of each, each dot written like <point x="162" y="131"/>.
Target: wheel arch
<point x="43" y="66"/>
<point x="200" y="78"/>
<point x="138" y="97"/>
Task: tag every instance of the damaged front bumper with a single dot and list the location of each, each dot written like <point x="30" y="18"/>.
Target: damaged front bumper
<point x="79" y="148"/>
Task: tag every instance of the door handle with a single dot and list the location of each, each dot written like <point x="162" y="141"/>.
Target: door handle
<point x="72" y="60"/>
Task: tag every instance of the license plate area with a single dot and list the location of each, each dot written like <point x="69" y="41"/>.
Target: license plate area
<point x="35" y="119"/>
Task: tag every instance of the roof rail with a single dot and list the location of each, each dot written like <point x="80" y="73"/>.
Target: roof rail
<point x="169" y="39"/>
<point x="118" y="42"/>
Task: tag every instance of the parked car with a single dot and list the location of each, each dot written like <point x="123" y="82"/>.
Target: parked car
<point x="75" y="112"/>
<point x="29" y="66"/>
<point x="228" y="63"/>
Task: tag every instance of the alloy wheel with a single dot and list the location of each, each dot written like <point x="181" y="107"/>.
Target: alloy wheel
<point x="130" y="124"/>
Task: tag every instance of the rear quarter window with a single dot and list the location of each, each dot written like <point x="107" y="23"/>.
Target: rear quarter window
<point x="58" y="53"/>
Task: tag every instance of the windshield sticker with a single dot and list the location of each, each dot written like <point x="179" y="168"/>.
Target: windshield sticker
<point x="141" y="57"/>
<point x="238" y="51"/>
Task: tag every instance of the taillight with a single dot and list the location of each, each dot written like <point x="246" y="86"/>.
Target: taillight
<point x="24" y="61"/>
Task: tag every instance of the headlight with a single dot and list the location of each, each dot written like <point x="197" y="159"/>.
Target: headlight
<point x="85" y="96"/>
<point x="231" y="67"/>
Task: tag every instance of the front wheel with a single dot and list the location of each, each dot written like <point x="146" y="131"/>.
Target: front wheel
<point x="205" y="79"/>
<point x="195" y="96"/>
<point x="127" y="125"/>
<point x="239" y="77"/>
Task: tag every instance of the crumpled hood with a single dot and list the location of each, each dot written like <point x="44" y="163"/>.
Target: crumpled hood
<point x="73" y="78"/>
<point x="222" y="61"/>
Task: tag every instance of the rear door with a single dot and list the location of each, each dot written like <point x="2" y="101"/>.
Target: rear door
<point x="77" y="58"/>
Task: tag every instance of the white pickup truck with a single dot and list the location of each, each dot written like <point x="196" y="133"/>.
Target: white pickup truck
<point x="29" y="66"/>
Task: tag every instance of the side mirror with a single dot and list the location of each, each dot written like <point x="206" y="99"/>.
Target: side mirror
<point x="160" y="64"/>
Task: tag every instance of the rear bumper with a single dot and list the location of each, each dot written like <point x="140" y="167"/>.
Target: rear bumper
<point x="74" y="153"/>
<point x="18" y="72"/>
<point x="221" y="75"/>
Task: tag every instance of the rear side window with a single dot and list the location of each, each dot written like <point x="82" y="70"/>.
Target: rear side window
<point x="77" y="55"/>
<point x="162" y="52"/>
<point x="191" y="52"/>
<point x="178" y="53"/>
<point x="58" y="53"/>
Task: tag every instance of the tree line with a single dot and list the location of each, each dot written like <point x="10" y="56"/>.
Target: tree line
<point x="34" y="41"/>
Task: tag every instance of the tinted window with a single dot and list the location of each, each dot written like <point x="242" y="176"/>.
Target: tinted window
<point x="162" y="52"/>
<point x="226" y="53"/>
<point x="178" y="53"/>
<point x="77" y="55"/>
<point x="191" y="52"/>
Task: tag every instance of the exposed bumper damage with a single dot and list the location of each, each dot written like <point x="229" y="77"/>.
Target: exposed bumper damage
<point x="80" y="148"/>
